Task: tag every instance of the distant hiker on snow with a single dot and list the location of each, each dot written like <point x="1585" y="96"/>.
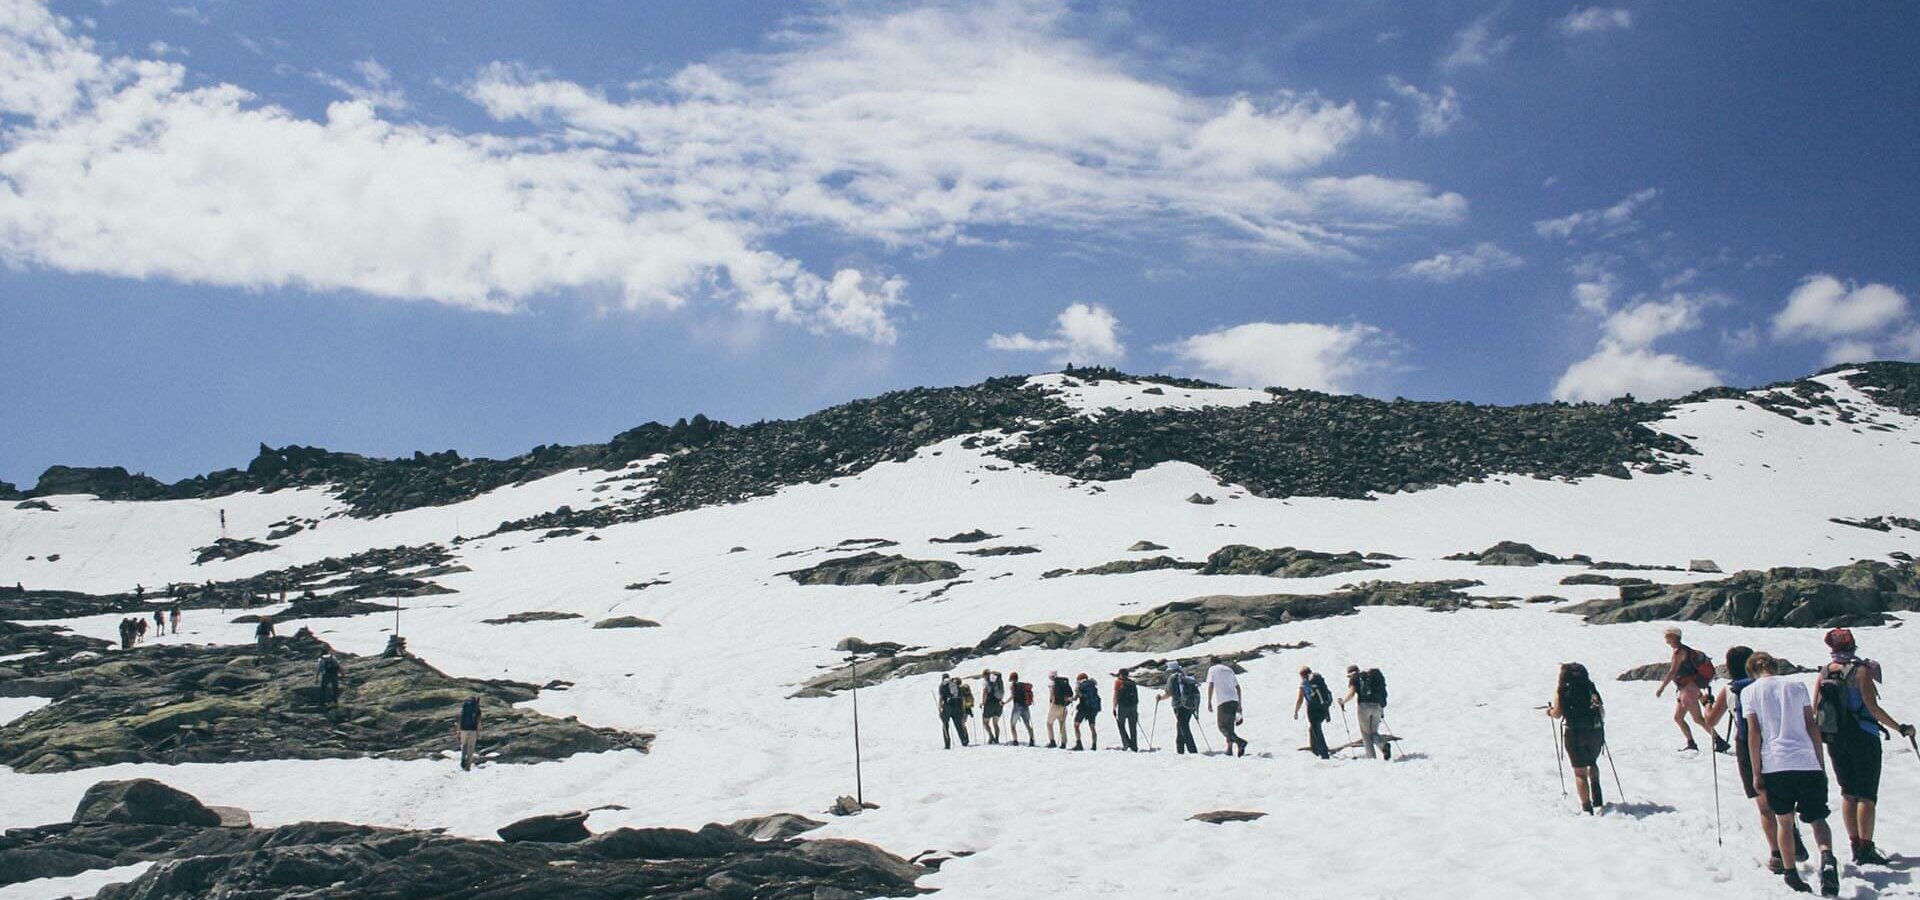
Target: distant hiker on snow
<point x="173" y="618"/>
<point x="127" y="633"/>
<point x="469" y="729"/>
<point x="1691" y="673"/>
<point x="1728" y="701"/>
<point x="1318" y="699"/>
<point x="327" y="668"/>
<point x="159" y="622"/>
<point x="1184" y="693"/>
<point x="1022" y="713"/>
<point x="1582" y="714"/>
<point x="1792" y="771"/>
<point x="1370" y="689"/>
<point x="1852" y="725"/>
<point x="993" y="692"/>
<point x="1059" y="694"/>
<point x="1086" y="696"/>
<point x="1222" y="682"/>
<point x="263" y="633"/>
<point x="1126" y="710"/>
<point x="952" y="707"/>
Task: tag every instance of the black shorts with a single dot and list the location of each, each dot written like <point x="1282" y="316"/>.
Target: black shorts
<point x="1743" y="756"/>
<point x="1584" y="746"/>
<point x="1801" y="792"/>
<point x="1856" y="765"/>
<point x="990" y="709"/>
<point x="1083" y="714"/>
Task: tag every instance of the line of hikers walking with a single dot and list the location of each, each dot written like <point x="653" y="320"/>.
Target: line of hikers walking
<point x="1079" y="698"/>
<point x="133" y="629"/>
<point x="1782" y="737"/>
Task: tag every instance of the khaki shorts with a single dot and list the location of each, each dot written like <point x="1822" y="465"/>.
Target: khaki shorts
<point x="1056" y="714"/>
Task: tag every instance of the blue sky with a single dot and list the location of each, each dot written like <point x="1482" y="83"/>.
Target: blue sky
<point x="388" y="227"/>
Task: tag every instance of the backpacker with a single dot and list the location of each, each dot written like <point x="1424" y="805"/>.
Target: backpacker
<point x="1186" y="692"/>
<point x="966" y="697"/>
<point x="1580" y="705"/>
<point x="1062" y="691"/>
<point x="1840" y="719"/>
<point x="996" y="689"/>
<point x="1371" y="688"/>
<point x="1696" y="670"/>
<point x="1319" y="699"/>
<point x="1126" y="695"/>
<point x="1022" y="694"/>
<point x="1089" y="697"/>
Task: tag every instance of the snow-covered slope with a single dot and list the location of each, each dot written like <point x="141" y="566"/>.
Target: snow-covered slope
<point x="1472" y="808"/>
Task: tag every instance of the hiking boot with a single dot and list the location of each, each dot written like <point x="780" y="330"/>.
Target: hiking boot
<point x="1077" y="746"/>
<point x="1720" y="745"/>
<point x="1593" y="787"/>
<point x="1866" y="854"/>
<point x="1050" y="744"/>
<point x="1586" y="808"/>
<point x="1796" y="882"/>
<point x="1799" y="848"/>
<point x="1775" y="864"/>
<point x="1829" y="876"/>
<point x="1691" y="746"/>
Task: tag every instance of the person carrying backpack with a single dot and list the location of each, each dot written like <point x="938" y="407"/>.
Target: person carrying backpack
<point x="993" y="698"/>
<point x="1369" y="687"/>
<point x="1059" y="696"/>
<point x="1126" y="710"/>
<point x="1022" y="712"/>
<point x="1318" y="700"/>
<point x="1086" y="695"/>
<point x="1852" y="725"/>
<point x="1184" y="693"/>
<point x="328" y="670"/>
<point x="952" y="706"/>
<point x="469" y="730"/>
<point x="173" y="618"/>
<point x="1790" y="769"/>
<point x="1582" y="714"/>
<point x="1728" y="701"/>
<point x="1691" y="674"/>
<point x="1221" y="681"/>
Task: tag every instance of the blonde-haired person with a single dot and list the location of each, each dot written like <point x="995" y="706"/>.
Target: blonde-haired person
<point x="1790" y="765"/>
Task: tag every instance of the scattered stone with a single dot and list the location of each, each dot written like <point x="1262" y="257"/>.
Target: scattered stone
<point x="643" y="585"/>
<point x="1857" y="594"/>
<point x="1223" y="816"/>
<point x="875" y="568"/>
<point x="1201" y="500"/>
<point x="1703" y="565"/>
<point x="1879" y="523"/>
<point x="538" y="615"/>
<point x="626" y="622"/>
<point x="553" y="828"/>
<point x="1145" y="547"/>
<point x="142" y="801"/>
<point x="965" y="537"/>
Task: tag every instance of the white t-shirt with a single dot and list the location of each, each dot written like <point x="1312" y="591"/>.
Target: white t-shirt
<point x="1225" y="686"/>
<point x="1780" y="704"/>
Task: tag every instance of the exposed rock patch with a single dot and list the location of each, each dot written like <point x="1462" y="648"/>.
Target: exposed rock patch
<point x="626" y="622"/>
<point x="538" y="615"/>
<point x="1510" y="553"/>
<point x="1857" y="594"/>
<point x="1285" y="562"/>
<point x="1126" y="567"/>
<point x="1657" y="671"/>
<point x="974" y="536"/>
<point x="1223" y="816"/>
<point x="1012" y="550"/>
<point x="1145" y="547"/>
<point x="875" y="568"/>
<point x="142" y="801"/>
<point x="1881" y="523"/>
<point x="228" y="548"/>
<point x="554" y="828"/>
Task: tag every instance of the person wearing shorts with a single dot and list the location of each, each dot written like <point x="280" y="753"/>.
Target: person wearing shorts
<point x="1856" y="750"/>
<point x="1059" y="696"/>
<point x="1689" y="692"/>
<point x="1728" y="702"/>
<point x="1020" y="712"/>
<point x="1791" y="767"/>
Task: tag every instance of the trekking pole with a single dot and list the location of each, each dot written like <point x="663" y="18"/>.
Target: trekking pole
<point x="1349" y="728"/>
<point x="1559" y="764"/>
<point x="1616" y="773"/>
<point x="1203" y="732"/>
<point x="1156" y="724"/>
<point x="1717" y="837"/>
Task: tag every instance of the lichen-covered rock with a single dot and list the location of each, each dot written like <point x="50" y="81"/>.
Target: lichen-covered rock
<point x="1285" y="562"/>
<point x="1508" y="553"/>
<point x="626" y="622"/>
<point x="538" y="615"/>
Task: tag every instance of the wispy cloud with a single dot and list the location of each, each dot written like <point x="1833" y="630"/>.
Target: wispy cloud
<point x="1304" y="355"/>
<point x="1434" y="113"/>
<point x="1479" y="260"/>
<point x="1626" y="361"/>
<point x="1475" y="46"/>
<point x="1605" y="221"/>
<point x="376" y="86"/>
<point x="1593" y="20"/>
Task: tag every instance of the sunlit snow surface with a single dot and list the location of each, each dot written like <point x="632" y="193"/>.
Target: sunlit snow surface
<point x="1473" y="809"/>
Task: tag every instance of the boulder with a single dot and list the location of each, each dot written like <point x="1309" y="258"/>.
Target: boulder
<point x="1223" y="816"/>
<point x="1145" y="547"/>
<point x="875" y="568"/>
<point x="973" y="536"/>
<point x="1703" y="565"/>
<point x="539" y="615"/>
<point x="777" y="827"/>
<point x="1508" y="553"/>
<point x="553" y="828"/>
<point x="1857" y="594"/>
<point x="1201" y="500"/>
<point x="142" y="801"/>
<point x="626" y="622"/>
<point x="1285" y="562"/>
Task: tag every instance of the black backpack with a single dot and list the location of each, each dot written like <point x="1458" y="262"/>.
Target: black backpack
<point x="1580" y="704"/>
<point x="1371" y="687"/>
<point x="995" y="688"/>
<point x="1319" y="698"/>
<point x="1186" y="692"/>
<point x="1126" y="695"/>
<point x="1062" y="691"/>
<point x="1089" y="697"/>
<point x="1838" y="721"/>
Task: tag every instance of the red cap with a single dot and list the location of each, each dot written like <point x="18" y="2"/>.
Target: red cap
<point x="1840" y="639"/>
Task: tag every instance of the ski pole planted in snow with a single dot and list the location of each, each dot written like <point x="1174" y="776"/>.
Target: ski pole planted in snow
<point x="1616" y="774"/>
<point x="1559" y="763"/>
<point x="1156" y="724"/>
<point x="1718" y="838"/>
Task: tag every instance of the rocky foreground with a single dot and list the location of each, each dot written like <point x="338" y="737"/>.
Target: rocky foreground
<point x="186" y="703"/>
<point x="195" y="855"/>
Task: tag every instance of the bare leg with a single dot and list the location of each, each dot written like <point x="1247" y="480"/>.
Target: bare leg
<point x="1680" y="719"/>
<point x="1767" y="826"/>
<point x="1865" y="827"/>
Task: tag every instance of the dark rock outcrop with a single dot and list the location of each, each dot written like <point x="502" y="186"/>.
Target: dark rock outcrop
<point x="626" y="622"/>
<point x="538" y="615"/>
<point x="875" y="568"/>
<point x="1597" y="578"/>
<point x="974" y="536"/>
<point x="553" y="828"/>
<point x="1657" y="671"/>
<point x="1285" y="562"/>
<point x="1511" y="553"/>
<point x="1860" y="593"/>
<point x="1223" y="816"/>
<point x="1127" y="567"/>
<point x="228" y="548"/>
<point x="142" y="801"/>
<point x="1009" y="550"/>
<point x="174" y="703"/>
<point x="16" y="638"/>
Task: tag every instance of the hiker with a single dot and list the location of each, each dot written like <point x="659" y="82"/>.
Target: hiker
<point x="953" y="711"/>
<point x="1852" y="725"/>
<point x="1086" y="696"/>
<point x="1221" y="680"/>
<point x="1582" y="714"/>
<point x="1370" y="689"/>
<point x="159" y="623"/>
<point x="1059" y="694"/>
<point x="328" y="670"/>
<point x="263" y="633"/>
<point x="966" y="702"/>
<point x="1126" y="710"/>
<point x="1022" y="712"/>
<point x="1318" y="699"/>
<point x="173" y="618"/>
<point x="1728" y="701"/>
<point x="1185" y="694"/>
<point x="126" y="634"/>
<point x="139" y="629"/>
<point x="1691" y="674"/>
<point x="469" y="729"/>
<point x="1791" y="768"/>
<point x="139" y="591"/>
<point x="994" y="691"/>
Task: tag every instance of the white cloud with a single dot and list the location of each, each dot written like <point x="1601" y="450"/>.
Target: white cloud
<point x="376" y="86"/>
<point x="1594" y="19"/>
<point x="1304" y="355"/>
<point x="1475" y="46"/>
<point x="1823" y="307"/>
<point x="1083" y="333"/>
<point x="1613" y="371"/>
<point x="1625" y="361"/>
<point x="901" y="129"/>
<point x="1611" y="220"/>
<point x="1481" y="259"/>
<point x="1434" y="114"/>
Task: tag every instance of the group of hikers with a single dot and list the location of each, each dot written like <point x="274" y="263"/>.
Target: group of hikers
<point x="1783" y="739"/>
<point x="133" y="629"/>
<point x="1079" y="699"/>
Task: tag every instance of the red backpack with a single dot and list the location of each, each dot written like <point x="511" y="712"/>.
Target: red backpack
<point x="1695" y="670"/>
<point x="1022" y="694"/>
